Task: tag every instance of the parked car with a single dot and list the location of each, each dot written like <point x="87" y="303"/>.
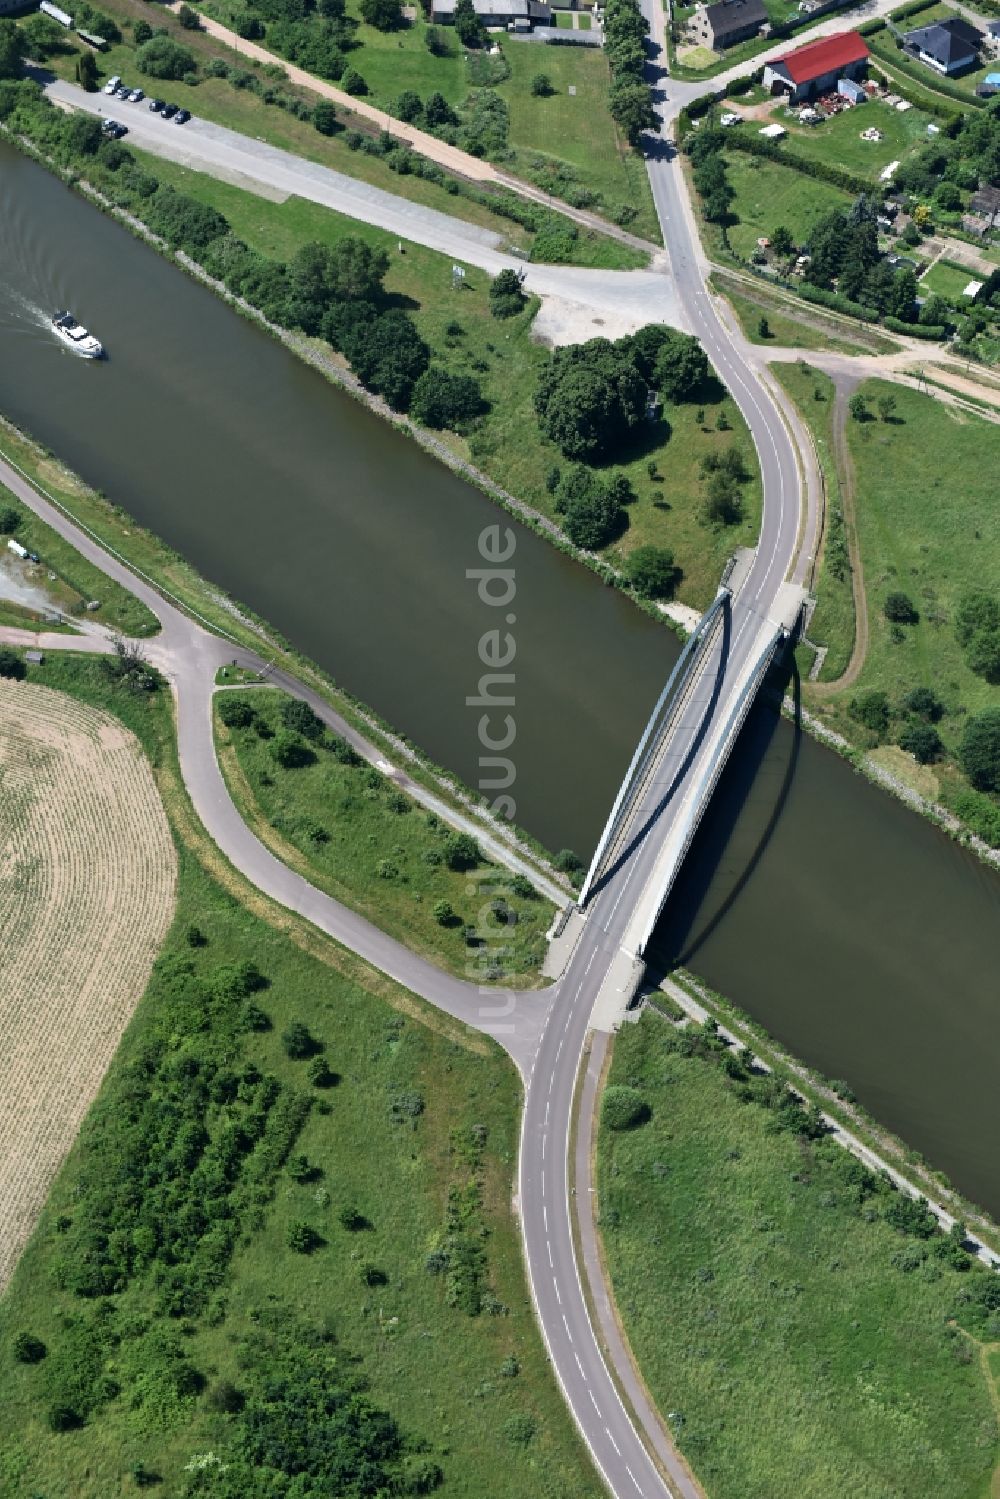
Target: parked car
<point x="182" y="116"/>
<point x="113" y="128"/>
<point x="112" y="84"/>
<point x="156" y="105"/>
<point x="169" y="110"/>
<point x="136" y="96"/>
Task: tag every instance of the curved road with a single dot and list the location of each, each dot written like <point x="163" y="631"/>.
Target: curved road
<point x="545" y="1033"/>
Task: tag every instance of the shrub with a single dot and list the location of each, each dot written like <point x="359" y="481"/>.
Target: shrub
<point x="352" y="82"/>
<point x="29" y="1349"/>
<point x="324" y="117"/>
<point x="301" y="1169"/>
<point x="979" y="750"/>
<point x="225" y="1398"/>
<point x="461" y="851"/>
<point x="507" y="298"/>
<point x="302" y="1238"/>
<point x="250" y="28"/>
<point x="291" y="752"/>
<point x="141" y="32"/>
<point x="11" y="664"/>
<point x="444" y="913"/>
<point x="900" y="608"/>
<point x="319" y="1072"/>
<point x="299" y="718"/>
<point x="925" y="703"/>
<point x="189" y="19"/>
<point x="652" y="572"/>
<point x="372" y="1275"/>
<point x="872" y="710"/>
<point x="161" y="57"/>
<point x="623" y="1107"/>
<point x="911" y="1216"/>
<point x="351" y="1220"/>
<point x="541" y="86"/>
<point x="384" y="15"/>
<point x="922" y="741"/>
<point x="441" y="399"/>
<point x="10" y="519"/>
<point x="236" y="712"/>
<point x="299" y="1042"/>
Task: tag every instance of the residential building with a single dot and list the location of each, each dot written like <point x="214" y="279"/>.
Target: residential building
<point x="818" y="67"/>
<point x="519" y="14"/>
<point x="949" y="47"/>
<point x="726" y="23"/>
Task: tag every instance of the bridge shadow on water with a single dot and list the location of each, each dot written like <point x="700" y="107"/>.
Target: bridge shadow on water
<point x="737" y="826"/>
<point x="682" y="769"/>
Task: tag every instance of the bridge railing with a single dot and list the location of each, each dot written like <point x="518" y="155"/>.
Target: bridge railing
<point x="647" y="744"/>
<point x="707" y="782"/>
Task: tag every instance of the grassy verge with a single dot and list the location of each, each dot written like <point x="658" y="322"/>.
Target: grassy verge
<point x="803" y="1344"/>
<point x="768" y="194"/>
<point x="417" y="1139"/>
<point x="344" y="826"/>
<point x="788" y="328"/>
<point x="506" y="444"/>
<point x="76" y="581"/>
<point x="833" y="622"/>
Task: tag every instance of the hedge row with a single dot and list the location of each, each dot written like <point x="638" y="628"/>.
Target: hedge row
<point x="838" y="303"/>
<point x="933" y="331"/>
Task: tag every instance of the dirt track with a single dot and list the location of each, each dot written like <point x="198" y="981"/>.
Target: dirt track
<point x="87" y="876"/>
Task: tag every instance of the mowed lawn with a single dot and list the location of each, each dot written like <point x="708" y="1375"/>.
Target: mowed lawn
<point x="504" y="358"/>
<point x="768" y="194"/>
<point x="927" y="523"/>
<point x="576" y="129"/>
<point x="416" y="1110"/>
<point x="837" y="141"/>
<point x="798" y="1345"/>
<point x="949" y="280"/>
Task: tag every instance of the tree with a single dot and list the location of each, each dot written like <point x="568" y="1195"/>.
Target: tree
<point x="461" y="851"/>
<point x="161" y="57"/>
<point x="351" y="1219"/>
<point x="590" y="397"/>
<point x="948" y="197"/>
<point x="86" y="72"/>
<point x="11" y="664"/>
<point x="723" y="501"/>
<point x="10" y="519"/>
<point x="982" y="655"/>
<point x="631" y="106"/>
<point x="594" y="516"/>
<point x="979" y="750"/>
<point x="886" y="406"/>
<point x="541" y="86"/>
<point x="763" y="328"/>
<point x="468" y="27"/>
<point x="324" y="117"/>
<point x="682" y="367"/>
<point x="444" y="913"/>
<point x="977" y="613"/>
<point x="141" y="32"/>
<point x="903" y="296"/>
<point x="652" y="572"/>
<point x="388" y="355"/>
<point x="922" y="741"/>
<point x="384" y="15"/>
<point x="441" y="399"/>
<point x="858" y="408"/>
<point x="250" y="28"/>
<point x="13" y="48"/>
<point x="436" y="42"/>
<point x="299" y="1042"/>
<point x="319" y="1072"/>
<point x="29" y="1349"/>
<point x="900" y="609"/>
<point x="782" y="243"/>
<point x="623" y="1108"/>
<point x="507" y="297"/>
<point x="409" y="106"/>
<point x="189" y="19"/>
<point x="438" y="112"/>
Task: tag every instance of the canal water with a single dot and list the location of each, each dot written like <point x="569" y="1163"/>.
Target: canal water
<point x="854" y="931"/>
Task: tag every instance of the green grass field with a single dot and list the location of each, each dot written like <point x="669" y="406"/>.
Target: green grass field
<point x="785" y="331"/>
<point x="768" y="194"/>
<point x="348" y="830"/>
<point x="420" y="1111"/>
<point x="926" y="524"/>
<point x="507" y="444"/>
<point x="799" y="1345"/>
<point x="574" y="132"/>
<point x="949" y="280"/>
<point x="837" y="141"/>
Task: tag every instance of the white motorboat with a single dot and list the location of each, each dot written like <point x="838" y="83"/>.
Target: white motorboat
<point x="75" y="337"/>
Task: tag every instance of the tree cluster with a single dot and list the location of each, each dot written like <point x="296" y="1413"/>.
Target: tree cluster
<point x="592" y="509"/>
<point x="977" y="628"/>
<point x="630" y="99"/>
<point x="844" y="249"/>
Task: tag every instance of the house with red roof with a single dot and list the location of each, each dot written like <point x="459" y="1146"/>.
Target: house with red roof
<point x="817" y="67"/>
